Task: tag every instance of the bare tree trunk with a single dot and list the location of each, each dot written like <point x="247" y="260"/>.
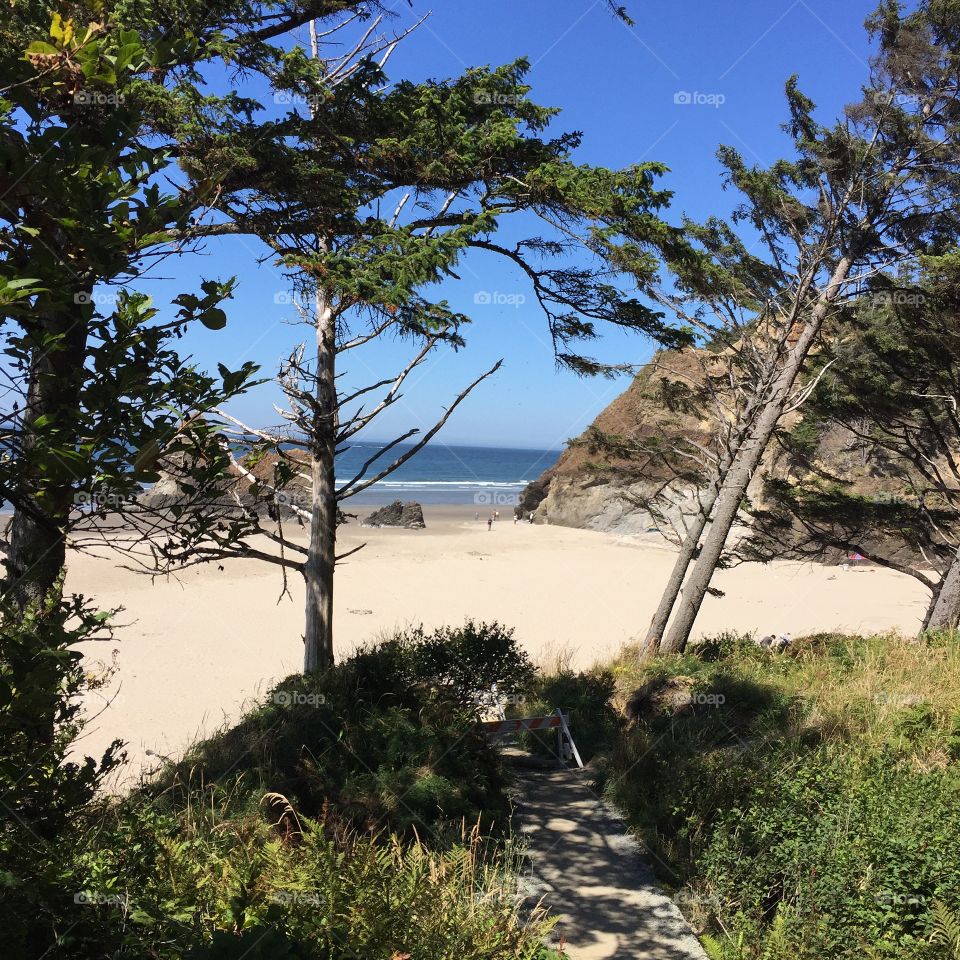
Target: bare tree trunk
<point x="321" y="556"/>
<point x="733" y="487"/>
<point x="43" y="502"/>
<point x="318" y="568"/>
<point x="691" y="541"/>
<point x="944" y="613"/>
<point x="671" y="591"/>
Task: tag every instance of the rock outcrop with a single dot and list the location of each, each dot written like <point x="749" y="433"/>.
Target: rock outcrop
<point x="258" y="495"/>
<point x="596" y="491"/>
<point x="599" y="492"/>
<point x="397" y="514"/>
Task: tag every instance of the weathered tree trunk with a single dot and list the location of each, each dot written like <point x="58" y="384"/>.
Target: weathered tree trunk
<point x="671" y="591"/>
<point x="944" y="613"/>
<point x="733" y="487"/>
<point x="691" y="541"/>
<point x="318" y="568"/>
<point x="44" y="499"/>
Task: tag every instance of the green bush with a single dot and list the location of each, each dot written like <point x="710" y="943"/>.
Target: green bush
<point x="353" y="813"/>
<point x="41" y="683"/>
<point x="43" y="794"/>
<point x="814" y="811"/>
<point x="385" y="740"/>
<point x="460" y="663"/>
<point x="849" y="853"/>
<point x="585" y="700"/>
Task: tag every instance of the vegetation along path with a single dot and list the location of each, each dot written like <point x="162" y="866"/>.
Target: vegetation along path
<point x="589" y="871"/>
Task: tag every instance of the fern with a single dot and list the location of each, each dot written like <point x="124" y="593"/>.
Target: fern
<point x="715" y="948"/>
<point x="946" y="930"/>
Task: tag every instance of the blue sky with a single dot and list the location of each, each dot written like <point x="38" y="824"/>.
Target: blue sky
<point x="616" y="84"/>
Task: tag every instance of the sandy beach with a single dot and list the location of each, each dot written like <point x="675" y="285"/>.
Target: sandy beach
<point x="190" y="651"/>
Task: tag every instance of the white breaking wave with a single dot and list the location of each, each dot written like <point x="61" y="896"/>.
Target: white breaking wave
<point x="450" y="484"/>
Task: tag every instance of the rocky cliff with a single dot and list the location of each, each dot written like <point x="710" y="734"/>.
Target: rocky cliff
<point x="601" y="491"/>
<point x="596" y="490"/>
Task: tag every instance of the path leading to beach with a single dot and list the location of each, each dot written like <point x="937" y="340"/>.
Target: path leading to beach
<point x="590" y="873"/>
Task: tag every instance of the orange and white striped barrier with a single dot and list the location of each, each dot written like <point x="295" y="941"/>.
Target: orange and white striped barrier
<point x="523" y="723"/>
<point x="566" y="748"/>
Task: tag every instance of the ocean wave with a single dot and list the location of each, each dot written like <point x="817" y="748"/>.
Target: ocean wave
<point x="450" y="484"/>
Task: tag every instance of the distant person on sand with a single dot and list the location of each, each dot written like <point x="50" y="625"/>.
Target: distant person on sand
<point x="489" y="523"/>
<point x="530" y="518"/>
<point x="515" y="519"/>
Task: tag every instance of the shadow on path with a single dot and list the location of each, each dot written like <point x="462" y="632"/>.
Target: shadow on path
<point x="589" y="871"/>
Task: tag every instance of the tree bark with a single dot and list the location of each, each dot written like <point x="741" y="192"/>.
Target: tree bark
<point x="733" y="487"/>
<point x="321" y="556"/>
<point x="944" y="613"/>
<point x="691" y="542"/>
<point x="672" y="590"/>
<point x="37" y="553"/>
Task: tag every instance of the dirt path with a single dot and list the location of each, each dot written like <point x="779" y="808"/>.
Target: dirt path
<point x="591" y="874"/>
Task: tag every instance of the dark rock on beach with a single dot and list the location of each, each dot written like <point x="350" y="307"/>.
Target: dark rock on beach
<point x="397" y="514"/>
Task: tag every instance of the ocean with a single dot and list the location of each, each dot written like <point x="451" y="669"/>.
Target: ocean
<point x="488" y="477"/>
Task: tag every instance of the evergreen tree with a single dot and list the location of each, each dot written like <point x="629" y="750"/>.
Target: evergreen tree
<point x="891" y="492"/>
<point x="873" y="191"/>
<point x="385" y="188"/>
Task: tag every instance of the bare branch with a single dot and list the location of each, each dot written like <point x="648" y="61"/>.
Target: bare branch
<point x="355" y="486"/>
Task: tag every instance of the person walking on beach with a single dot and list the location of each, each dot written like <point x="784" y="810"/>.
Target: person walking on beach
<point x="489" y="523"/>
<point x="515" y="519"/>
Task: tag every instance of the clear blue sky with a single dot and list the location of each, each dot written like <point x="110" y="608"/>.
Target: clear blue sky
<point x="617" y="85"/>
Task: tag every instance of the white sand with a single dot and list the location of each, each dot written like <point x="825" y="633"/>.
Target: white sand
<point x="192" y="651"/>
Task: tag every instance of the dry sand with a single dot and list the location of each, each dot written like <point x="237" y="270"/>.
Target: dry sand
<point x="191" y="651"/>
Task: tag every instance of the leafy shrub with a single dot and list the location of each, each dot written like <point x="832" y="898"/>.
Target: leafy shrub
<point x="329" y="822"/>
<point x="853" y="854"/>
<point x="816" y="810"/>
<point x="460" y="663"/>
<point x="43" y="795"/>
<point x="387" y="738"/>
<point x="41" y="682"/>
<point x="585" y="699"/>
